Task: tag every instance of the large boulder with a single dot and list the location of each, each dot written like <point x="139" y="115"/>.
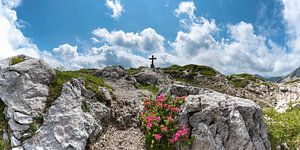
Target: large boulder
<point x="222" y="122"/>
<point x="147" y="76"/>
<point x="113" y="72"/>
<point x="24" y="90"/>
<point x="67" y="124"/>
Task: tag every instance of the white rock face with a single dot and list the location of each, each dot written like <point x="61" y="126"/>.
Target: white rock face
<point x="66" y="125"/>
<point x="24" y="90"/>
<point x="219" y="121"/>
<point x="287" y="93"/>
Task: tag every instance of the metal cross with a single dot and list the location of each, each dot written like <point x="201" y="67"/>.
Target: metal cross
<point x="152" y="61"/>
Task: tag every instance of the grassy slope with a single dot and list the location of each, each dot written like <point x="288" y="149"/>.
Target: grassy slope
<point x="283" y="128"/>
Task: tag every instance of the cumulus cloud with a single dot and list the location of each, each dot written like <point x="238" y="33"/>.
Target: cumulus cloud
<point x="186" y="8"/>
<point x="66" y="51"/>
<point x="244" y="51"/>
<point x="97" y="57"/>
<point x="116" y="7"/>
<point x="291" y="15"/>
<point x="12" y="40"/>
<point x="148" y="40"/>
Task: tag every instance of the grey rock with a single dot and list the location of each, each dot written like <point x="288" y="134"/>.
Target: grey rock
<point x="147" y="76"/>
<point x="115" y="72"/>
<point x="22" y="118"/>
<point x="66" y="126"/>
<point x="18" y="148"/>
<point x="218" y="121"/>
<point x="24" y="90"/>
<point x="14" y="142"/>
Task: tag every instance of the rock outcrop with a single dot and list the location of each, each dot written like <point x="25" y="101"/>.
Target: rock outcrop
<point x="24" y="90"/>
<point x="287" y="93"/>
<point x="66" y="124"/>
<point x="218" y="121"/>
<point x="76" y="120"/>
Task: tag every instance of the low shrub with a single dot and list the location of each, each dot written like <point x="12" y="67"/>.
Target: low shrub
<point x="161" y="124"/>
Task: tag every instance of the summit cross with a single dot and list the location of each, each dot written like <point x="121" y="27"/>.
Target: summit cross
<point x="152" y="61"/>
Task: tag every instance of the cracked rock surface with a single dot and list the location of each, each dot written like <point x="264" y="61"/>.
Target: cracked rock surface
<point x="221" y="122"/>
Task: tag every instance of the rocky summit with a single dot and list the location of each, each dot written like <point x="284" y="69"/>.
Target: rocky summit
<point x="45" y="108"/>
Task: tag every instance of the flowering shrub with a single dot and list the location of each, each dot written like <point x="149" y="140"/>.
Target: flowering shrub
<point x="161" y="125"/>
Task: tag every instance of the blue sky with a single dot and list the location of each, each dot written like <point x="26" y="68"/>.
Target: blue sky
<point x="54" y="22"/>
<point x="233" y="36"/>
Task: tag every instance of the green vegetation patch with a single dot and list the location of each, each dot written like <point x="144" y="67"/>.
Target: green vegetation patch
<point x="152" y="88"/>
<point x="242" y="80"/>
<point x="283" y="127"/>
<point x="91" y="83"/>
<point x="134" y="71"/>
<point x="5" y="145"/>
<point x="191" y="70"/>
<point x="293" y="81"/>
<point x="16" y="60"/>
<point x="84" y="106"/>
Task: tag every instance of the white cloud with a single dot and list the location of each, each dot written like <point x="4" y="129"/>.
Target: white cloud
<point x="244" y="51"/>
<point x="187" y="8"/>
<point x="291" y="15"/>
<point x="116" y="7"/>
<point x="148" y="40"/>
<point x="12" y="40"/>
<point x="66" y="51"/>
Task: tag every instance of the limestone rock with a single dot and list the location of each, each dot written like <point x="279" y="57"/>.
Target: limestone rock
<point x="115" y="72"/>
<point x="287" y="93"/>
<point x="24" y="90"/>
<point x="218" y="121"/>
<point x="147" y="76"/>
<point x="66" y="125"/>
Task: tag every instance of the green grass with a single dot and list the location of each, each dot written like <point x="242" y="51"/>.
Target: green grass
<point x="84" y="106"/>
<point x="293" y="81"/>
<point x="91" y="83"/>
<point x="284" y="127"/>
<point x="33" y="128"/>
<point x="134" y="71"/>
<point x="4" y="145"/>
<point x="192" y="70"/>
<point x="152" y="88"/>
<point x="242" y="80"/>
<point x="16" y="60"/>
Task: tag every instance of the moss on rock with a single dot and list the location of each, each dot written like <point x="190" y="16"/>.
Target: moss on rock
<point x="16" y="60"/>
<point x="91" y="83"/>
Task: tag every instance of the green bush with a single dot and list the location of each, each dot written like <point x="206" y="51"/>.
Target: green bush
<point x="161" y="124"/>
<point x="16" y="60"/>
<point x="283" y="127"/>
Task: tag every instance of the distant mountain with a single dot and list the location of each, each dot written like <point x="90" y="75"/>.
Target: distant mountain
<point x="292" y="76"/>
<point x="273" y="79"/>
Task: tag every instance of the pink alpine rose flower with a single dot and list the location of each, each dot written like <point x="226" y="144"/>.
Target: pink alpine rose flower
<point x="157" y="136"/>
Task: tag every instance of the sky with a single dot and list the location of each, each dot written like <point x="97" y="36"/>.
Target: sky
<point x="233" y="36"/>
